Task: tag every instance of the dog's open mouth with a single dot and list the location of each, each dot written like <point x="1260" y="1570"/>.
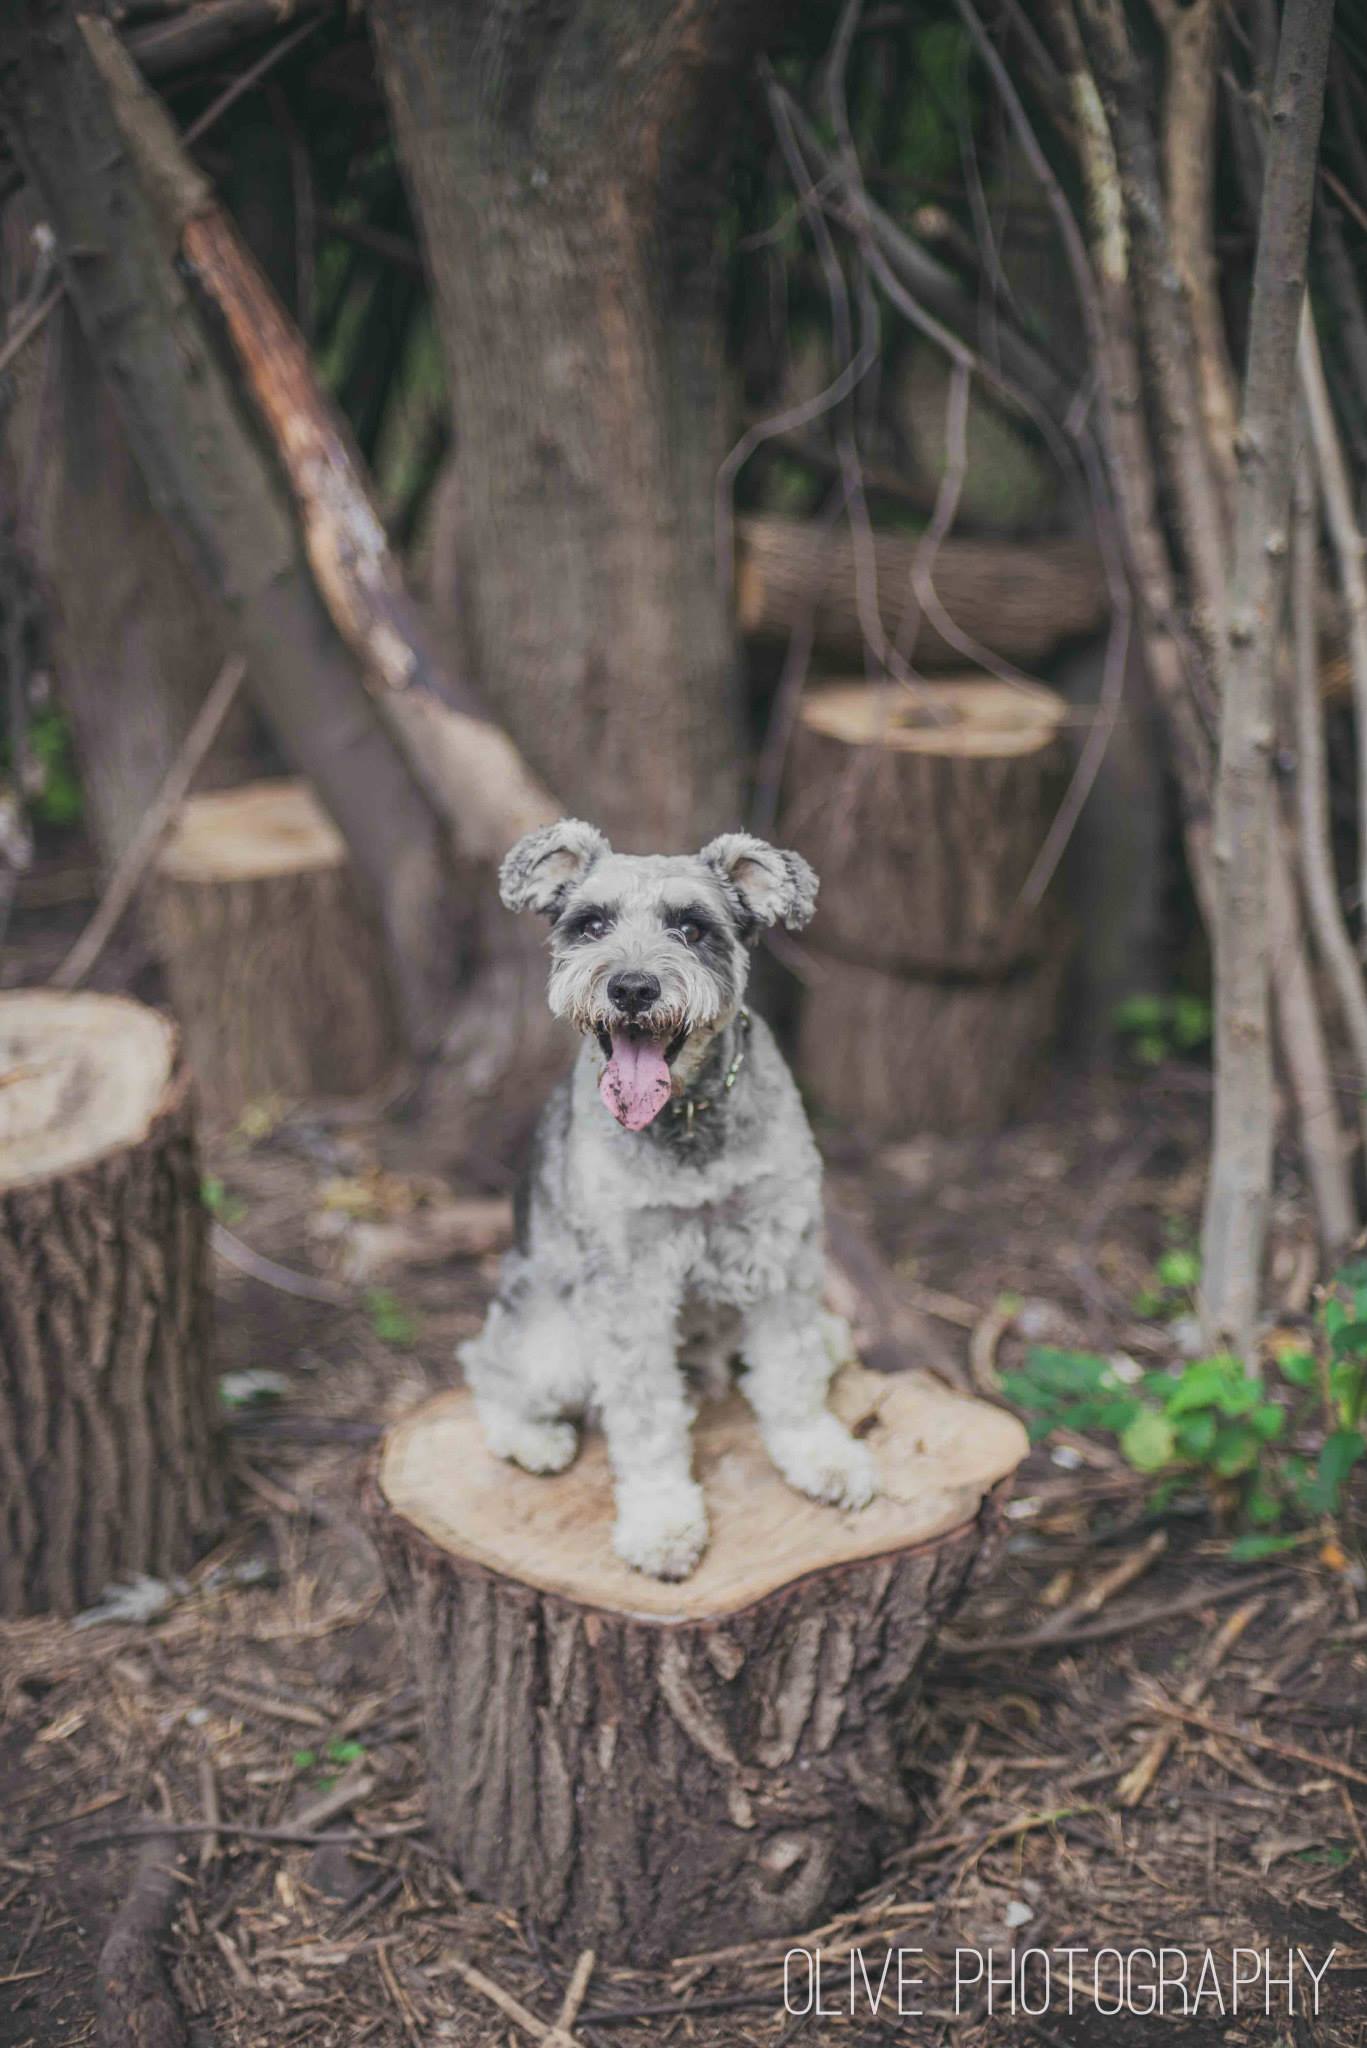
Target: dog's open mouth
<point x="635" y="1083"/>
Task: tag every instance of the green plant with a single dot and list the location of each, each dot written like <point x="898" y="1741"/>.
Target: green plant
<point x="389" y="1319"/>
<point x="224" y="1206"/>
<point x="1156" y="1028"/>
<point x="1273" y="1458"/>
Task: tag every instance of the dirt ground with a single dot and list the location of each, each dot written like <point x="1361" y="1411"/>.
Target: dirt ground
<point x="270" y="1689"/>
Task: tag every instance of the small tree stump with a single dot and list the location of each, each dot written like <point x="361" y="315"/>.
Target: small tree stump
<point x="934" y="990"/>
<point x="923" y="813"/>
<point x="108" y="1460"/>
<point x="653" y="1769"/>
<point x="276" y="974"/>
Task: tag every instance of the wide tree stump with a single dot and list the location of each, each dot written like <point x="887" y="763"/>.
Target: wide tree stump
<point x="275" y="972"/>
<point x="923" y="812"/>
<point x="1021" y="599"/>
<point x="654" y="1769"/>
<point x="108" y="1458"/>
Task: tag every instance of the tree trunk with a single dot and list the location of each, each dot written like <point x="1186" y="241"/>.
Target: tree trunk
<point x="210" y="478"/>
<point x="1020" y="600"/>
<point x="276" y="976"/>
<point x="923" y="813"/>
<point x="132" y="640"/>
<point x="108" y="1461"/>
<point x="1234" y="1226"/>
<point x="567" y="166"/>
<point x="651" y="1769"/>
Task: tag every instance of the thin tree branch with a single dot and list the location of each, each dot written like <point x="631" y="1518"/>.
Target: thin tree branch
<point x="1314" y="838"/>
<point x="1350" y="553"/>
<point x="1250" y="886"/>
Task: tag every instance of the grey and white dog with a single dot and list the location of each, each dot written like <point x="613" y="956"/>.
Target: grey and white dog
<point x="670" y="1219"/>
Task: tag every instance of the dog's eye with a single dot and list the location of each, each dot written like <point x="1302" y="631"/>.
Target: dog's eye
<point x="689" y="932"/>
<point x="592" y="927"/>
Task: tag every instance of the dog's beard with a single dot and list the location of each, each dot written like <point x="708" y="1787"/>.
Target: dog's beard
<point x="639" y="1053"/>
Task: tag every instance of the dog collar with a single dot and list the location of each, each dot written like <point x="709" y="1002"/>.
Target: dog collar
<point x="687" y="1106"/>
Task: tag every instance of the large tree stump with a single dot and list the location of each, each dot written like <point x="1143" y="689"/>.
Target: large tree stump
<point x="108" y="1460"/>
<point x="934" y="989"/>
<point x="276" y="974"/>
<point x="653" y="1769"/>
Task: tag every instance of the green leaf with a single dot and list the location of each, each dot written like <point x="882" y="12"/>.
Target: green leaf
<point x="1203" y="1385"/>
<point x="1268" y="1420"/>
<point x="1196" y="1436"/>
<point x="1140" y="1013"/>
<point x="1350" y="1341"/>
<point x="1067" y="1372"/>
<point x="1248" y="1549"/>
<point x="304" y="1759"/>
<point x="1191" y="1021"/>
<point x="1179" y="1269"/>
<point x="1298" y="1368"/>
<point x="389" y="1319"/>
<point x="1240" y="1397"/>
<point x="1339" y="1454"/>
<point x="346" y="1752"/>
<point x="1150" y="1442"/>
<point x="1236" y="1449"/>
<point x="1262" y="1505"/>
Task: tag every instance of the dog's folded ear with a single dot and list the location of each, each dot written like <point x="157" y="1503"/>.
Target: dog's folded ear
<point x="544" y="866"/>
<point x="766" y="884"/>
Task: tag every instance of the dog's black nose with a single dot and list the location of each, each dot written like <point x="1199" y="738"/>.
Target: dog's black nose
<point x="633" y="992"/>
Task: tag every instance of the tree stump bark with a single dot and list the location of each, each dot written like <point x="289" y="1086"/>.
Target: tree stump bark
<point x="275" y="973"/>
<point x="1020" y="599"/>
<point x="893" y="1054"/>
<point x="934" y="991"/>
<point x="654" y="1769"/>
<point x="108" y="1459"/>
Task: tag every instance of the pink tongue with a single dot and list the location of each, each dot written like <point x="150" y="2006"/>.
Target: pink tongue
<point x="635" y="1084"/>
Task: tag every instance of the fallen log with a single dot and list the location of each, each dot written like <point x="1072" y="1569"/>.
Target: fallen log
<point x="1019" y="600"/>
<point x="651" y="1769"/>
<point x="108" y="1452"/>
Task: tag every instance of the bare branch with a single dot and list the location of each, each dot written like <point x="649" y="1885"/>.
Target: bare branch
<point x="141" y="850"/>
<point x="1314" y="840"/>
<point x="1248" y="891"/>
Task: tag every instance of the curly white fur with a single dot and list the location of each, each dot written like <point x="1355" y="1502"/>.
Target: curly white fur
<point x="647" y="1260"/>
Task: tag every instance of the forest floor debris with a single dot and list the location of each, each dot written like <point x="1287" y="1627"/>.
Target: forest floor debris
<point x="1126" y="1740"/>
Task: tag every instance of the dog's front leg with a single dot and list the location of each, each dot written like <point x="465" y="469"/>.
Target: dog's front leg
<point x="789" y="1366"/>
<point x="661" y="1525"/>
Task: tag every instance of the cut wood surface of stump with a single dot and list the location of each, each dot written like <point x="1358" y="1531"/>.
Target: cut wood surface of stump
<point x="275" y="972"/>
<point x="108" y="1457"/>
<point x="934" y="987"/>
<point x="653" y="1769"/>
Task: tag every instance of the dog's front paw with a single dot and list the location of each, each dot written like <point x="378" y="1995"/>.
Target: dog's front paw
<point x="535" y="1446"/>
<point x="661" y="1530"/>
<point x="822" y="1459"/>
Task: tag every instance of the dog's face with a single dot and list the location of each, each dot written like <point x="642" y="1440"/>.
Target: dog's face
<point x="650" y="953"/>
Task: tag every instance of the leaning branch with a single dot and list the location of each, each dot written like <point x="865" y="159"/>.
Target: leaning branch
<point x="468" y="769"/>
